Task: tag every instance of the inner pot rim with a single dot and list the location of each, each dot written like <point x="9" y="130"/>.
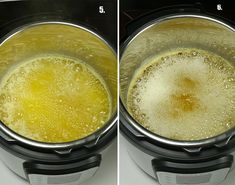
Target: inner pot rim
<point x="92" y="138"/>
<point x="218" y="140"/>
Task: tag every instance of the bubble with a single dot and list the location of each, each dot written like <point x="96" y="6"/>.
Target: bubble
<point x="221" y="67"/>
<point x="231" y="79"/>
<point x="195" y="53"/>
<point x="165" y="58"/>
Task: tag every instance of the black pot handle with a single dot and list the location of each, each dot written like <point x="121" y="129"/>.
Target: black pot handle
<point x="181" y="173"/>
<point x="72" y="173"/>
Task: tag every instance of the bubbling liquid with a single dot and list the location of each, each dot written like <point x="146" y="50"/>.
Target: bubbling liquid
<point x="186" y="94"/>
<point x="54" y="99"/>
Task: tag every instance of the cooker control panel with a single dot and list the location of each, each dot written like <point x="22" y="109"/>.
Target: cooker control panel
<point x="203" y="173"/>
<point x="67" y="179"/>
<point x="213" y="177"/>
<point x="72" y="173"/>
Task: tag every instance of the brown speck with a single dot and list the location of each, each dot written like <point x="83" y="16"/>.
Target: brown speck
<point x="182" y="103"/>
<point x="187" y="83"/>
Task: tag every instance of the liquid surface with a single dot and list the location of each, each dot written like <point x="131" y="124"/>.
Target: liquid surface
<point x="53" y="99"/>
<point x="186" y="94"/>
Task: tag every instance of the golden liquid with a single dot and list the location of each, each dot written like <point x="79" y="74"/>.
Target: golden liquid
<point x="54" y="99"/>
<point x="186" y="94"/>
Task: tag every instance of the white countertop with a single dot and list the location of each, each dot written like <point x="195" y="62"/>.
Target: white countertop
<point x="106" y="175"/>
<point x="131" y="174"/>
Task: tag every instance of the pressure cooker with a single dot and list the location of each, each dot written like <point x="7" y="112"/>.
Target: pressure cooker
<point x="72" y="162"/>
<point x="169" y="161"/>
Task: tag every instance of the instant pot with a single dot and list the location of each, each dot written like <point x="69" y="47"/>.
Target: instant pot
<point x="45" y="28"/>
<point x="169" y="161"/>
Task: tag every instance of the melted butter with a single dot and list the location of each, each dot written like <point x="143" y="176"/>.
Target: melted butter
<point x="54" y="99"/>
<point x="186" y="94"/>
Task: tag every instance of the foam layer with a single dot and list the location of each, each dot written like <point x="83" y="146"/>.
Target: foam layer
<point x="54" y="99"/>
<point x="187" y="94"/>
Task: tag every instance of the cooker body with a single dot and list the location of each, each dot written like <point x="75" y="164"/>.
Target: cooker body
<point x="42" y="167"/>
<point x="175" y="165"/>
<point x="176" y="172"/>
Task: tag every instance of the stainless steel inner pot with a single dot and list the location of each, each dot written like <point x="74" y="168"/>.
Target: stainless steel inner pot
<point x="69" y="40"/>
<point x="169" y="32"/>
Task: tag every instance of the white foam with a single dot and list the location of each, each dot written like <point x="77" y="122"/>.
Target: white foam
<point x="184" y="96"/>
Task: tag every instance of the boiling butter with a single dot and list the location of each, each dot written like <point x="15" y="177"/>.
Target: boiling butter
<point x="54" y="99"/>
